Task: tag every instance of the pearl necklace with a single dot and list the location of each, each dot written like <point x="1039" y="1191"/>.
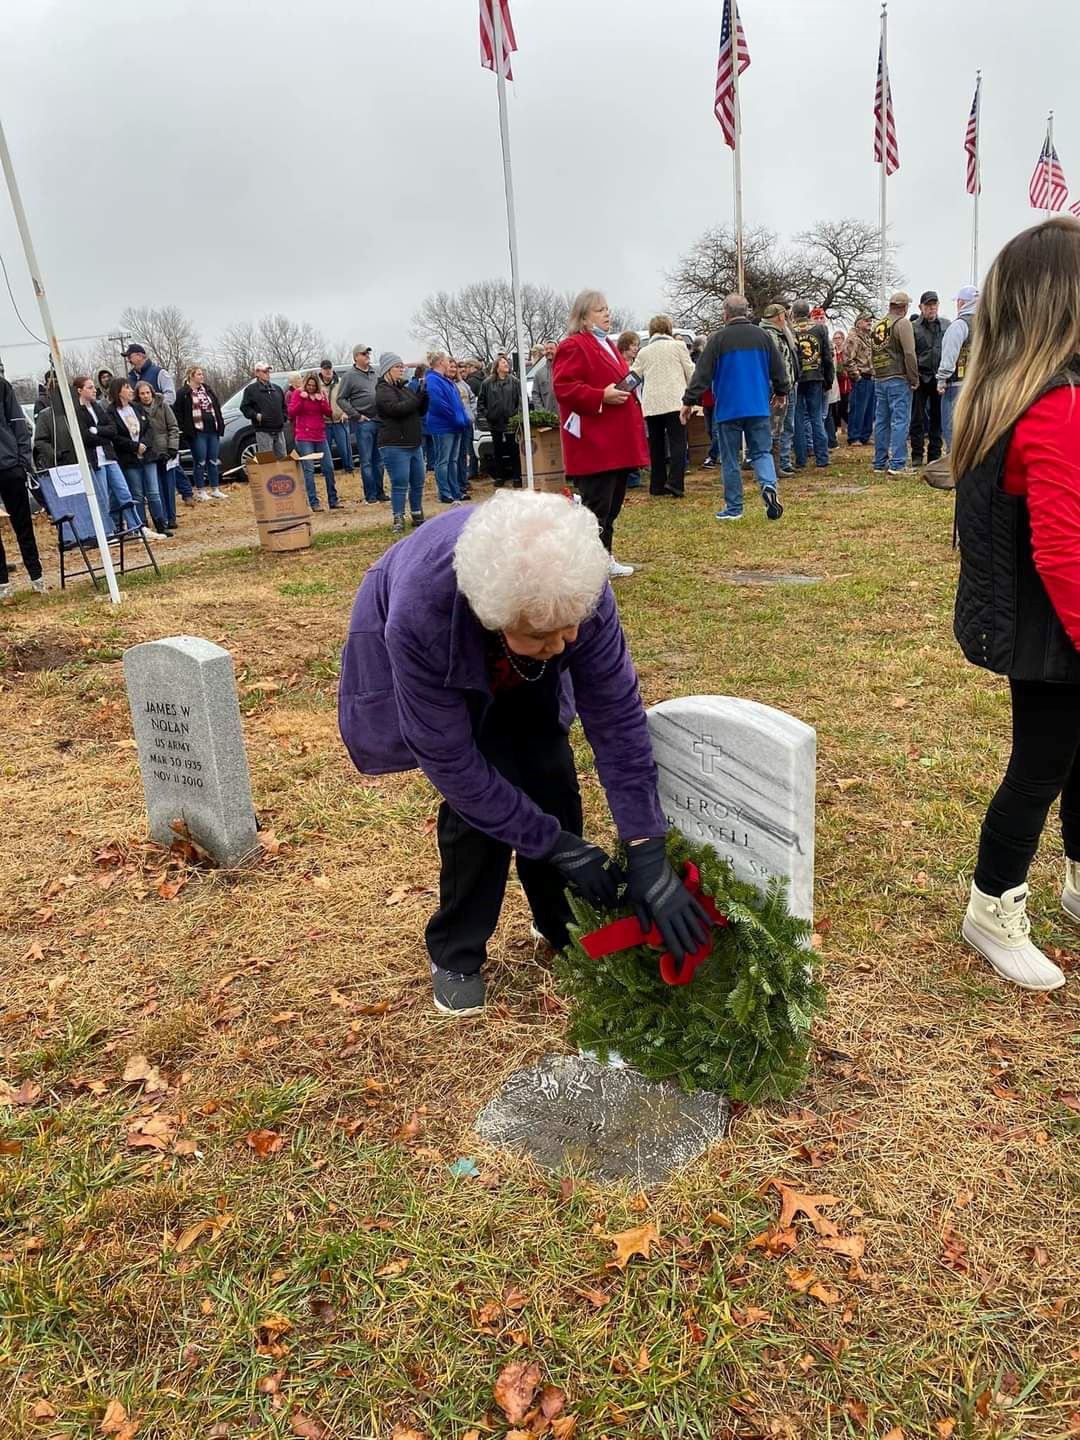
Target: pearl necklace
<point x="529" y="679"/>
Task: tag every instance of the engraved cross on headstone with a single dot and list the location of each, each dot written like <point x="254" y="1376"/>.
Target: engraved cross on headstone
<point x="709" y="756"/>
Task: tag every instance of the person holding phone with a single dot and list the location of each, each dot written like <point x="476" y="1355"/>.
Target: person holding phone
<point x="665" y="366"/>
<point x="603" y="438"/>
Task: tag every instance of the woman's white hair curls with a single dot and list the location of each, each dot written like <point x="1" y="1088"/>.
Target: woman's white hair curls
<point x="528" y="559"/>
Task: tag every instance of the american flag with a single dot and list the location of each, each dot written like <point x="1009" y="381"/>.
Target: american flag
<point x="487" y="35"/>
<point x="1074" y="209"/>
<point x="724" y="104"/>
<point x="892" y="152"/>
<point x="1048" y="189"/>
<point x="971" y="146"/>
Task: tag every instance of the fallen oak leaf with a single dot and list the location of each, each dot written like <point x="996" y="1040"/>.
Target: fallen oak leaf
<point x="212" y="1225"/>
<point x="393" y="1269"/>
<point x="751" y="1315"/>
<point x="775" y="1241"/>
<point x="552" y="1401"/>
<point x="115" y="1422"/>
<point x="264" y="1142"/>
<point x="627" y="1243"/>
<point x="43" y="1410"/>
<point x="515" y="1387"/>
<point x="563" y="1427"/>
<point x="827" y="1294"/>
<point x="26" y="1094"/>
<point x="853" y="1246"/>
<point x="596" y="1298"/>
<point x="793" y="1203"/>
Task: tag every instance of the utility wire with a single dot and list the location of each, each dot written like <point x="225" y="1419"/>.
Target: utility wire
<point x="11" y="295"/>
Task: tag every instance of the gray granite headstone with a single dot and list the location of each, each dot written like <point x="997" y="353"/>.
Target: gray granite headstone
<point x="182" y="694"/>
<point x="741" y="777"/>
<point x="570" y="1112"/>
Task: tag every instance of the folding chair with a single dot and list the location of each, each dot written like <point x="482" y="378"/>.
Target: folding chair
<point x="62" y="497"/>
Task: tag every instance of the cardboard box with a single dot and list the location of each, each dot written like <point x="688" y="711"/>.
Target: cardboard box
<point x="280" y="500"/>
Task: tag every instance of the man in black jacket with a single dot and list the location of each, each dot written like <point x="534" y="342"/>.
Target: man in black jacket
<point x="929" y="329"/>
<point x="15" y="462"/>
<point x="264" y="405"/>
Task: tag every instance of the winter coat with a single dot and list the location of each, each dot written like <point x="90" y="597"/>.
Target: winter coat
<point x="157" y="377"/>
<point x="14" y="431"/>
<point x="164" y="431"/>
<point x="611" y="437"/>
<point x="956" y="347"/>
<point x="445" y="412"/>
<point x="929" y="335"/>
<point x="857" y="361"/>
<point x="356" y="394"/>
<point x="744" y="369"/>
<point x="309" y="414"/>
<point x="268" y="401"/>
<point x="784" y="340"/>
<point x="399" y="408"/>
<point x="414" y="691"/>
<point x="98" y="431"/>
<point x="665" y="366"/>
<point x="127" y="449"/>
<point x="815" y="353"/>
<point x="543" y="391"/>
<point x="499" y="399"/>
<point x="53" y="444"/>
<point x="184" y="412"/>
<point x="331" y="389"/>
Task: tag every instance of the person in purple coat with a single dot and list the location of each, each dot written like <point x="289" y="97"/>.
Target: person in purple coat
<point x="470" y="646"/>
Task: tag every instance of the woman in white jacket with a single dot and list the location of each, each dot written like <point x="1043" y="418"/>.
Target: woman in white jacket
<point x="665" y="367"/>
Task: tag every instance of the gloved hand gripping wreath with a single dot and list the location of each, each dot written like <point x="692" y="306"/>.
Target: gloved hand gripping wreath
<point x="590" y="870"/>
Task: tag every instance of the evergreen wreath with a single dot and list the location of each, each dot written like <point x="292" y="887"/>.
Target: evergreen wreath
<point x="742" y="1024"/>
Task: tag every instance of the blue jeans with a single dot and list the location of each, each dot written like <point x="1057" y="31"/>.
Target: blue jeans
<point x="121" y="505"/>
<point x="466" y="452"/>
<point x="429" y="450"/>
<point x="714" y="435"/>
<point x="405" y="466"/>
<point x="447" y="452"/>
<point x="758" y="432"/>
<point x="810" y="423"/>
<point x="892" y="420"/>
<point x="365" y="434"/>
<point x="337" y="433"/>
<point x="206" y="467"/>
<point x="860" y="423"/>
<point x="948" y="400"/>
<point x="311" y="447"/>
<point x="142" y="482"/>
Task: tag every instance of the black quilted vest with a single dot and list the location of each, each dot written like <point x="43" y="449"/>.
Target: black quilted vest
<point x="1003" y="618"/>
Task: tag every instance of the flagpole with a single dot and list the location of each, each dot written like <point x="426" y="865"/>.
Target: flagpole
<point x="733" y="25"/>
<point x="1049" y="162"/>
<point x="511" y="226"/>
<point x="58" y="365"/>
<point x="883" y="136"/>
<point x="978" y="180"/>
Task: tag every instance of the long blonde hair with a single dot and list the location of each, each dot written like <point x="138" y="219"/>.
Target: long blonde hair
<point x="1026" y="331"/>
<point x="585" y="302"/>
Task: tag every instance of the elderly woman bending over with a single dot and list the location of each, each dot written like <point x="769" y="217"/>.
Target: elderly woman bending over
<point x="463" y="641"/>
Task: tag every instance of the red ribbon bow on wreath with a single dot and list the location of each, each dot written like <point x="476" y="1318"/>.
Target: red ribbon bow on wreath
<point x="625" y="934"/>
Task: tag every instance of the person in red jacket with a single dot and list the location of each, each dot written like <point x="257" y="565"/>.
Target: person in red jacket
<point x="603" y="435"/>
<point x="1016" y="459"/>
<point x="309" y="411"/>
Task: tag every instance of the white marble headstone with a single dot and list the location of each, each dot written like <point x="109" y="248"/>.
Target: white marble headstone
<point x="741" y="777"/>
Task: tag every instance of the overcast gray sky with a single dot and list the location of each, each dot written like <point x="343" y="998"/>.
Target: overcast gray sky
<point x="338" y="160"/>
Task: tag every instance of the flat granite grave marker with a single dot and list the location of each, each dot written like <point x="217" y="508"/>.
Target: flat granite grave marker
<point x="740" y="776"/>
<point x="186" y="717"/>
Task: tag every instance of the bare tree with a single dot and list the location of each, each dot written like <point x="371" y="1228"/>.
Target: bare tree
<point x="169" y="336"/>
<point x="478" y="319"/>
<point x="289" y="344"/>
<point x="834" y="264"/>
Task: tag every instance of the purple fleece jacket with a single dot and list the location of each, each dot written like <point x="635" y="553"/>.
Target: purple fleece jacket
<point x="414" y="689"/>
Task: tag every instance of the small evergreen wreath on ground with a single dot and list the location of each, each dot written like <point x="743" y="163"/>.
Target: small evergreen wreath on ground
<point x="742" y="1024"/>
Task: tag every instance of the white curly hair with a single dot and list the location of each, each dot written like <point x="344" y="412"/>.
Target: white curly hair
<point x="529" y="559"/>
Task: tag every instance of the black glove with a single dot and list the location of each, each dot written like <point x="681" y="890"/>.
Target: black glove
<point x="173" y="455"/>
<point x="657" y="894"/>
<point x="591" y="872"/>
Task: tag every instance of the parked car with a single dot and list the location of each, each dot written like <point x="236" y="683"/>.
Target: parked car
<point x="238" y="442"/>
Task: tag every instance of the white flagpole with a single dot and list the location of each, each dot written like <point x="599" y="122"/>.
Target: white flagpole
<point x="883" y="133"/>
<point x="978" y="180"/>
<point x="511" y="226"/>
<point x="733" y="24"/>
<point x="58" y="365"/>
<point x="1048" y="166"/>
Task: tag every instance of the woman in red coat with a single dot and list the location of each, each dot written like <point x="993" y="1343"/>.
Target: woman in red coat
<point x="603" y="437"/>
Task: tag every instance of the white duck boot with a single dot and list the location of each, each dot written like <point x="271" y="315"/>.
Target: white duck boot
<point x="999" y="929"/>
<point x="1070" y="896"/>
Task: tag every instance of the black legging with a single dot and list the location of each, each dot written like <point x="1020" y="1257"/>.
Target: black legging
<point x="1043" y="765"/>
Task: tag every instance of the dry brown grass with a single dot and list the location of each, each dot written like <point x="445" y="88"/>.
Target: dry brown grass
<point x="934" y="1114"/>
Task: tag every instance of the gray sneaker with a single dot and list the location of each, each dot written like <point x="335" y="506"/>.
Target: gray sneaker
<point x="457" y="994"/>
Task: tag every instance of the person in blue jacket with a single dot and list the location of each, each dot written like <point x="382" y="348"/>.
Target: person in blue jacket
<point x="746" y="373"/>
<point x="446" y="423"/>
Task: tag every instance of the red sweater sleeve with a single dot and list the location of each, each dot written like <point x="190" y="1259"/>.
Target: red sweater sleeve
<point x="1044" y="463"/>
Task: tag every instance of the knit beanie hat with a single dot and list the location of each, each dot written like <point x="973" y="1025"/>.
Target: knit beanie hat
<point x="387" y="360"/>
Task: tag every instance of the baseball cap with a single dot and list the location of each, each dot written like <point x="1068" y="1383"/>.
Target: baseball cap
<point x="928" y="297"/>
<point x="967" y="292"/>
<point x="326" y="364"/>
<point x="771" y="311"/>
<point x="134" y="349"/>
<point x="361" y="350"/>
<point x="899" y="297"/>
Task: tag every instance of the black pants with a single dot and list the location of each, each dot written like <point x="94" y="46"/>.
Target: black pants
<point x="603" y="494"/>
<point x="667" y="453"/>
<point x="1043" y="765"/>
<point x="505" y="458"/>
<point x="925" y="421"/>
<point x="17" y="504"/>
<point x="537" y="759"/>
